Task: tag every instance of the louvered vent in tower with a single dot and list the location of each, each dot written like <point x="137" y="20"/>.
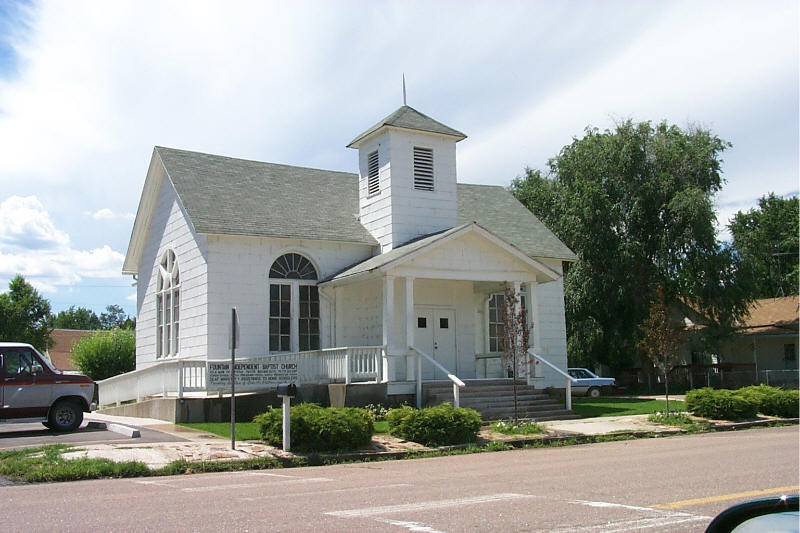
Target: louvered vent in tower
<point x="373" y="180"/>
<point x="423" y="169"/>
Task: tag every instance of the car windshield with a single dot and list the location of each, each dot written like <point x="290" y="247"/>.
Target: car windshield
<point x="580" y="373"/>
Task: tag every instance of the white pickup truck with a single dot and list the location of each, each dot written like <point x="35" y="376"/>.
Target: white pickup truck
<point x="32" y="389"/>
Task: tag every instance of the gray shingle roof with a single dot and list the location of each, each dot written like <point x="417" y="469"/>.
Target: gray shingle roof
<point x="228" y="196"/>
<point x="224" y="195"/>
<point x="495" y="209"/>
<point x="409" y="118"/>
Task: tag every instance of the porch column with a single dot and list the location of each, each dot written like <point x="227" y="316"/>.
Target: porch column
<point x="409" y="303"/>
<point x="517" y="306"/>
<point x="387" y="322"/>
<point x="535" y="339"/>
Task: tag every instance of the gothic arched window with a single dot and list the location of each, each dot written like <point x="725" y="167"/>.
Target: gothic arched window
<point x="168" y="296"/>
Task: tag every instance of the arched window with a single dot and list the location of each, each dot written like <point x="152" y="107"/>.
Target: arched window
<point x="293" y="305"/>
<point x="168" y="296"/>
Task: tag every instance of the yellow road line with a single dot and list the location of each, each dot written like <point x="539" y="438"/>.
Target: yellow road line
<point x="725" y="497"/>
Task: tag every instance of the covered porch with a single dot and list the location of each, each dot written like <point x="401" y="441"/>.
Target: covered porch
<point x="435" y="306"/>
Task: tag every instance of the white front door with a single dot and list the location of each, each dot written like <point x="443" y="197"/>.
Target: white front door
<point x="435" y="334"/>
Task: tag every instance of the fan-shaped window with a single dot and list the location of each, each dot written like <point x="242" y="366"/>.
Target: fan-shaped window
<point x="293" y="305"/>
<point x="292" y="266"/>
<point x="168" y="295"/>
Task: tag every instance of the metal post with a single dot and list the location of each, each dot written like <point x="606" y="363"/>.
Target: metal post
<point x="347" y="376"/>
<point x="287" y="445"/>
<point x="233" y="378"/>
<point x="569" y="395"/>
<point x="419" y="381"/>
<point x="456" y="402"/>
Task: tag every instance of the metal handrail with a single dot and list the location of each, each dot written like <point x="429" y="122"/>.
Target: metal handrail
<point x="570" y="379"/>
<point x="457" y="383"/>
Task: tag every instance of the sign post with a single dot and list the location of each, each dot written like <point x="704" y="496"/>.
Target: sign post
<point x="287" y="391"/>
<point x="234" y="335"/>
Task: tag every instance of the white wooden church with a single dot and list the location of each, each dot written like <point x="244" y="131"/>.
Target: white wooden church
<point x="361" y="278"/>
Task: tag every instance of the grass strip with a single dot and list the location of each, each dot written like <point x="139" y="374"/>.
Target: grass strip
<point x="601" y="407"/>
<point x="252" y="430"/>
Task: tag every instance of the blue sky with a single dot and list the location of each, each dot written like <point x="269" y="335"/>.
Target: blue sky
<point x="87" y="88"/>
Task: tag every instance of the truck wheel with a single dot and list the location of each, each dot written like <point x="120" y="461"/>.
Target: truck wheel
<point x="65" y="415"/>
<point x="593" y="392"/>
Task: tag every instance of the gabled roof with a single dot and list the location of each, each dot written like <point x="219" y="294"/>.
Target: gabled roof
<point x="224" y="195"/>
<point x="771" y="316"/>
<point x="495" y="209"/>
<point x="229" y="196"/>
<point x="409" y="118"/>
<point x="412" y="248"/>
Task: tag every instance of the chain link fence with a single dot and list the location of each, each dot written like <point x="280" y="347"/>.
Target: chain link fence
<point x="715" y="376"/>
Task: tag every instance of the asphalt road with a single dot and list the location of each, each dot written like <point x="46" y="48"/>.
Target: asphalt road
<point x="667" y="484"/>
<point x="29" y="434"/>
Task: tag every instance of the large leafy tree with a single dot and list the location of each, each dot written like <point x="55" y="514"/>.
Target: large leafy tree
<point x="23" y="315"/>
<point x="635" y="205"/>
<point x="767" y="239"/>
<point x="115" y="317"/>
<point x="77" y="318"/>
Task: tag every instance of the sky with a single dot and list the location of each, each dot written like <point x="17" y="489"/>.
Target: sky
<point x="88" y="88"/>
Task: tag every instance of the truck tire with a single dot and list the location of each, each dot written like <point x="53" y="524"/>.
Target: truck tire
<point x="65" y="415"/>
<point x="593" y="392"/>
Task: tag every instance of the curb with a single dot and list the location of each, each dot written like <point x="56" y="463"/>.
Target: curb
<point x="733" y="426"/>
<point x="122" y="430"/>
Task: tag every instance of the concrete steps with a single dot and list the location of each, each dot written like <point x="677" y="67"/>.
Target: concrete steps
<point x="494" y="399"/>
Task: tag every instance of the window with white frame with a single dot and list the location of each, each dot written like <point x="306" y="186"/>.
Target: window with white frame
<point x="168" y="296"/>
<point x="293" y="305"/>
<point x="423" y="169"/>
<point x="495" y="325"/>
<point x="373" y="178"/>
<point x="496" y="303"/>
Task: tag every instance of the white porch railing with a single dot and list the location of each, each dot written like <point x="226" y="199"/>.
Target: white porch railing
<point x="457" y="383"/>
<point x="554" y="367"/>
<point x="176" y="377"/>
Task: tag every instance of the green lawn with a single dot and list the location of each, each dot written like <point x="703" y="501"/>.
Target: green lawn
<point x="244" y="430"/>
<point x="593" y="407"/>
<point x="250" y="430"/>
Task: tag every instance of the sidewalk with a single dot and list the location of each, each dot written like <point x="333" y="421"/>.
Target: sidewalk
<point x="201" y="446"/>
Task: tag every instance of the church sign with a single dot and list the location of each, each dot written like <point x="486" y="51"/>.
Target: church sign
<point x="250" y="373"/>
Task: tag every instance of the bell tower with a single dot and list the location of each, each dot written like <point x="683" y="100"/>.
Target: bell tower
<point x="407" y="177"/>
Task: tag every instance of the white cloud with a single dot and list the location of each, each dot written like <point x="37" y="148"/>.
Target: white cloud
<point x="24" y="224"/>
<point x="108" y="214"/>
<point x="31" y="245"/>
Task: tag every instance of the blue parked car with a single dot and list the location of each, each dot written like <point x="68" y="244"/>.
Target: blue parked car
<point x="589" y="383"/>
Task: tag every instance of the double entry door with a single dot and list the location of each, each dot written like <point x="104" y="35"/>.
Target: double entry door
<point x="435" y="334"/>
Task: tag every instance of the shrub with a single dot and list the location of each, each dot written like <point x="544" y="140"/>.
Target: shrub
<point x="106" y="353"/>
<point x="773" y="401"/>
<point x="435" y="426"/>
<point x="317" y="429"/>
<point x="720" y="404"/>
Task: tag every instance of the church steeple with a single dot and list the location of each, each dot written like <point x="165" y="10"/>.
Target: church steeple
<point x="407" y="170"/>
